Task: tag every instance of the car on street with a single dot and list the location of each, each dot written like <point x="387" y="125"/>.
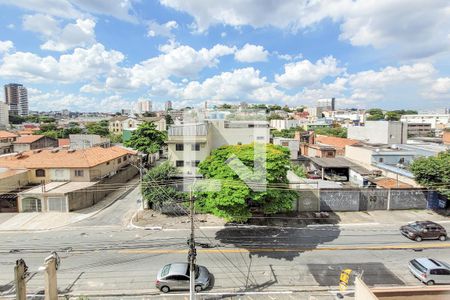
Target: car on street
<point x="175" y="276"/>
<point x="424" y="230"/>
<point x="430" y="271"/>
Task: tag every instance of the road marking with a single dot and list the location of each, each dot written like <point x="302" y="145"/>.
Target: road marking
<point x="319" y="248"/>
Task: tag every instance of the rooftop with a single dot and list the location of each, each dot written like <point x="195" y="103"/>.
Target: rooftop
<point x="59" y="187"/>
<point x="389" y="183"/>
<point x="335" y="141"/>
<point x="28" y="139"/>
<point x="6" y="134"/>
<point x="63" y="158"/>
<point x="333" y="162"/>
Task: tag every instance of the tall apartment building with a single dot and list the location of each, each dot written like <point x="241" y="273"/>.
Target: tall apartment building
<point x="16" y="96"/>
<point x="168" y="105"/>
<point x="438" y="122"/>
<point x="4" y="115"/>
<point x="144" y="106"/>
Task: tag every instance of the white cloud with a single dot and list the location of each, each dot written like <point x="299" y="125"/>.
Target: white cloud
<point x="304" y="72"/>
<point x="11" y="26"/>
<point x="80" y="34"/>
<point x="288" y="57"/>
<point x="156" y="29"/>
<point x="180" y="61"/>
<point x="43" y="24"/>
<point x="5" y="46"/>
<point x="251" y="53"/>
<point x="228" y="86"/>
<point x="442" y="85"/>
<point x="79" y="66"/>
<point x="45" y="101"/>
<point x="410" y="27"/>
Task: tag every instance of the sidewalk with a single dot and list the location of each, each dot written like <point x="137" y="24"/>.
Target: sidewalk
<point x="153" y="220"/>
<point x="39" y="221"/>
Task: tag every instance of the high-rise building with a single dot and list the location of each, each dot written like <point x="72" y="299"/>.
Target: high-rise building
<point x="16" y="96"/>
<point x="4" y="115"/>
<point x="144" y="106"/>
<point x="168" y="105"/>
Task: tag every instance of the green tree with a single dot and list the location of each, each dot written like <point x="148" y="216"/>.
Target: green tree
<point x="169" y="119"/>
<point x="375" y="114"/>
<point x="235" y="201"/>
<point x="155" y="187"/>
<point x="115" y="138"/>
<point x="274" y="116"/>
<point x="336" y="131"/>
<point x="45" y="119"/>
<point x="146" y="138"/>
<point x="299" y="170"/>
<point x="16" y="119"/>
<point x="433" y="172"/>
<point x="392" y="116"/>
<point x="101" y="128"/>
<point x="286" y="133"/>
<point x="274" y="107"/>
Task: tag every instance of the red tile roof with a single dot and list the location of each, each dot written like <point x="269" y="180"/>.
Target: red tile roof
<point x="63" y="142"/>
<point x="28" y="139"/>
<point x="335" y="141"/>
<point x="46" y="159"/>
<point x="6" y="134"/>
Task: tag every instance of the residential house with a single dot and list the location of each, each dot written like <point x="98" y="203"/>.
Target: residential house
<point x="12" y="181"/>
<point x="130" y="125"/>
<point x="89" y="164"/>
<point x="83" y="141"/>
<point x="380" y="132"/>
<point x="34" y="142"/>
<point x="446" y="137"/>
<point x="285" y="124"/>
<point x="336" y="142"/>
<point x="292" y="144"/>
<point x="316" y="150"/>
<point x="6" y="141"/>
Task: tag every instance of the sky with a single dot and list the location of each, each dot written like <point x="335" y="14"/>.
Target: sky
<point x="104" y="55"/>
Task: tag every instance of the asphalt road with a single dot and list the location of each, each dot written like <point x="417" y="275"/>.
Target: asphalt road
<point x="101" y="256"/>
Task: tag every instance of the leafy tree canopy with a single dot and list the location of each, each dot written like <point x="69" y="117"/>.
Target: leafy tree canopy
<point x="101" y="128"/>
<point x="156" y="193"/>
<point x="146" y="138"/>
<point x="335" y="131"/>
<point x="286" y="133"/>
<point x="235" y="201"/>
<point x="299" y="170"/>
<point x="433" y="172"/>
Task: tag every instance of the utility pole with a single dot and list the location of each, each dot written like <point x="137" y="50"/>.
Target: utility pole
<point x="20" y="273"/>
<point x="51" y="264"/>
<point x="192" y="250"/>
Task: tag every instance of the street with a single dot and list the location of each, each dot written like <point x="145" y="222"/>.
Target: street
<point x="102" y="256"/>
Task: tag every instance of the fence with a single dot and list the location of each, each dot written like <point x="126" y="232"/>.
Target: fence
<point x="367" y="199"/>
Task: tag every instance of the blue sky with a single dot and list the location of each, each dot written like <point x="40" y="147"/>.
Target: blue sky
<point x="104" y="55"/>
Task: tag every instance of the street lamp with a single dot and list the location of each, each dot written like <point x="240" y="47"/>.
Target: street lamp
<point x="401" y="166"/>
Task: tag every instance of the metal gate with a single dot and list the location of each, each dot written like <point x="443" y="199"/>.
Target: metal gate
<point x="31" y="205"/>
<point x="57" y="204"/>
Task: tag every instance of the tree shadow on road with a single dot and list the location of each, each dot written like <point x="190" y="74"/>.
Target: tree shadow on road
<point x="282" y="236"/>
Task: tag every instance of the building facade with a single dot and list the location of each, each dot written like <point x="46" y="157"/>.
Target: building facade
<point x="16" y="96"/>
<point x="4" y="115"/>
<point x="144" y="106"/>
<point x="380" y="132"/>
<point x="34" y="142"/>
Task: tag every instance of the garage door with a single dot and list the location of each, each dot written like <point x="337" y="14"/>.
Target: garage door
<point x="57" y="204"/>
<point x="31" y="205"/>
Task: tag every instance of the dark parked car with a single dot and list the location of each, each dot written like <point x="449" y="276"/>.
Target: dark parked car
<point x="424" y="230"/>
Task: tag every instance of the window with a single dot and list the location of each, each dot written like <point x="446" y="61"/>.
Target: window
<point x="195" y="147"/>
<point x="107" y="163"/>
<point x="40" y="173"/>
<point x="125" y="158"/>
<point x="79" y="173"/>
<point x="179" y="163"/>
<point x="195" y="163"/>
<point x="119" y="160"/>
<point x="260" y="138"/>
<point x="179" y="147"/>
<point x="285" y="144"/>
<point x="380" y="159"/>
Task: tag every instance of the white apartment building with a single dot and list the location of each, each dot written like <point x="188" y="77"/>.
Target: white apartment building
<point x="144" y="106"/>
<point x="438" y="121"/>
<point x="285" y="124"/>
<point x="189" y="144"/>
<point x="380" y="132"/>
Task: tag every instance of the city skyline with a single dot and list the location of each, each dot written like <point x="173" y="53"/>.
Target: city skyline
<point x="83" y="57"/>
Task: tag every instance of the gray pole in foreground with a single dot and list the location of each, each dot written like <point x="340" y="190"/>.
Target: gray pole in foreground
<point x="192" y="251"/>
<point x="51" y="286"/>
<point x="20" y="274"/>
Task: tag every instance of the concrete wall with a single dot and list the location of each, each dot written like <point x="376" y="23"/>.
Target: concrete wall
<point x="92" y="195"/>
<point x="362" y="291"/>
<point x="359" y="154"/>
<point x="408" y="199"/>
<point x="339" y="200"/>
<point x="380" y="132"/>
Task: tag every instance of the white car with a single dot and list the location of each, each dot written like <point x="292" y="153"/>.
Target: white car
<point x="430" y="271"/>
